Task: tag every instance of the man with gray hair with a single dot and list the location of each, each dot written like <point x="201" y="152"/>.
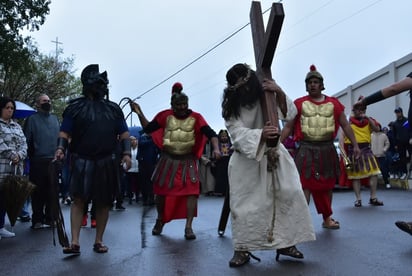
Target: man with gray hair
<point x="41" y="130"/>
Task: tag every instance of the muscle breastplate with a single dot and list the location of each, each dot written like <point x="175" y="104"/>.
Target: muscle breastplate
<point x="318" y="123"/>
<point x="179" y="135"/>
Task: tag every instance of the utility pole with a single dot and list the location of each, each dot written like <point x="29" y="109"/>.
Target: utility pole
<point x="57" y="46"/>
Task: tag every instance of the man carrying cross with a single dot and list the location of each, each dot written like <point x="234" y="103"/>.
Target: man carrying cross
<point x="268" y="207"/>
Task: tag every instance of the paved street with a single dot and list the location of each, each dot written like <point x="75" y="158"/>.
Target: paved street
<point x="368" y="243"/>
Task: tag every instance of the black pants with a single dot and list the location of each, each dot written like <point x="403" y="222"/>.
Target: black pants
<point x="146" y="184"/>
<point x="41" y="197"/>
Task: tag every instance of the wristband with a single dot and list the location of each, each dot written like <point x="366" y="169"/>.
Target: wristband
<point x="373" y="98"/>
<point x="126" y="147"/>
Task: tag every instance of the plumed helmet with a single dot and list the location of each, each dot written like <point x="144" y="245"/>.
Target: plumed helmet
<point x="91" y="75"/>
<point x="177" y="87"/>
<point x="313" y="73"/>
<point x="178" y="98"/>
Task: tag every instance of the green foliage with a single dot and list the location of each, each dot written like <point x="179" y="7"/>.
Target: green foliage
<point x="25" y="72"/>
<point x="45" y="75"/>
<point x="14" y="16"/>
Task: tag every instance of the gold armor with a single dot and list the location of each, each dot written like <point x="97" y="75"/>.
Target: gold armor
<point x="179" y="135"/>
<point x="317" y="121"/>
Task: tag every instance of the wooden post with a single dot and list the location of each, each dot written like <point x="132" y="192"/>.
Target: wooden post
<point x="264" y="45"/>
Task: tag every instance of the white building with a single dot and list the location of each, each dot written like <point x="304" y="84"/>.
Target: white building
<point x="382" y="111"/>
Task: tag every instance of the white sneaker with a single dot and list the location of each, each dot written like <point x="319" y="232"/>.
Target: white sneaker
<point x="6" y="234"/>
<point x="388" y="186"/>
<point x="403" y="176"/>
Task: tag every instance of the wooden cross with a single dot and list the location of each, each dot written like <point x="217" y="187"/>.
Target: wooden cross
<point x="264" y="45"/>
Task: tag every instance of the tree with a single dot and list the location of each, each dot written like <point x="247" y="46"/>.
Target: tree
<point x="25" y="72"/>
<point x="44" y="75"/>
<point x="14" y="16"/>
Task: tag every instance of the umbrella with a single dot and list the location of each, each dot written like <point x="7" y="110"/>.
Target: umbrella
<point x="16" y="190"/>
<point x="55" y="169"/>
<point x="22" y="110"/>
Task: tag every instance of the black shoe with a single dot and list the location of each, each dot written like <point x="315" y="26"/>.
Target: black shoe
<point x="290" y="251"/>
<point x="189" y="235"/>
<point x="25" y="218"/>
<point x="158" y="228"/>
<point x="375" y="202"/>
<point x="241" y="257"/>
<point x="404" y="226"/>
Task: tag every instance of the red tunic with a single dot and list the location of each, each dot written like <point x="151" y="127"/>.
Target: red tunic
<point x="183" y="183"/>
<point x="321" y="182"/>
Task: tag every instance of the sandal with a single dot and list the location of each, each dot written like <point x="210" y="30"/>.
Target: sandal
<point x="404" y="226"/>
<point x="100" y="248"/>
<point x="189" y="235"/>
<point x="358" y="203"/>
<point x="375" y="202"/>
<point x="290" y="251"/>
<point x="241" y="257"/>
<point x="73" y="249"/>
<point x="334" y="224"/>
<point x="157" y="229"/>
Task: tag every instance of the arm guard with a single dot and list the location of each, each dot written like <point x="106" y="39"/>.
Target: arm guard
<point x="62" y="143"/>
<point x="373" y="98"/>
<point x="125" y="147"/>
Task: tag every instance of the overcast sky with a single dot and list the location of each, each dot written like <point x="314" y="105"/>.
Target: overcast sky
<point x="142" y="43"/>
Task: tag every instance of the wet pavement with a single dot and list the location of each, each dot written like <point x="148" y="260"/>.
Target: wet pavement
<point x="368" y="243"/>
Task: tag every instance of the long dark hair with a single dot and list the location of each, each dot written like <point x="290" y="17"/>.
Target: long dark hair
<point x="243" y="90"/>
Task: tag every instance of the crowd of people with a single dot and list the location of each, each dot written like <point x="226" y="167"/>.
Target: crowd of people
<point x="177" y="156"/>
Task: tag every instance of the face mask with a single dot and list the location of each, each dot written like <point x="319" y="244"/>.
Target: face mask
<point x="45" y="106"/>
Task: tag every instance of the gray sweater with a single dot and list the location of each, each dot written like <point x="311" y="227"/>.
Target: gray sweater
<point x="41" y="130"/>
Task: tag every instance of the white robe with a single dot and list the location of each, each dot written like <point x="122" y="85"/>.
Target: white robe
<point x="263" y="202"/>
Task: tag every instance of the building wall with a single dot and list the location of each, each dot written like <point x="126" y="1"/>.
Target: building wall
<point x="382" y="111"/>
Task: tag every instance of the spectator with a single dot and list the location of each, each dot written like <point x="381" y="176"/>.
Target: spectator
<point x="379" y="146"/>
<point x="207" y="180"/>
<point x="132" y="175"/>
<point x="401" y="132"/>
<point x="41" y="130"/>
<point x="147" y="155"/>
<point x="220" y="167"/>
<point x="13" y="151"/>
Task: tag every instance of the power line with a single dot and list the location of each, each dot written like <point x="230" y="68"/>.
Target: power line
<point x="196" y="59"/>
<point x="247" y="24"/>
